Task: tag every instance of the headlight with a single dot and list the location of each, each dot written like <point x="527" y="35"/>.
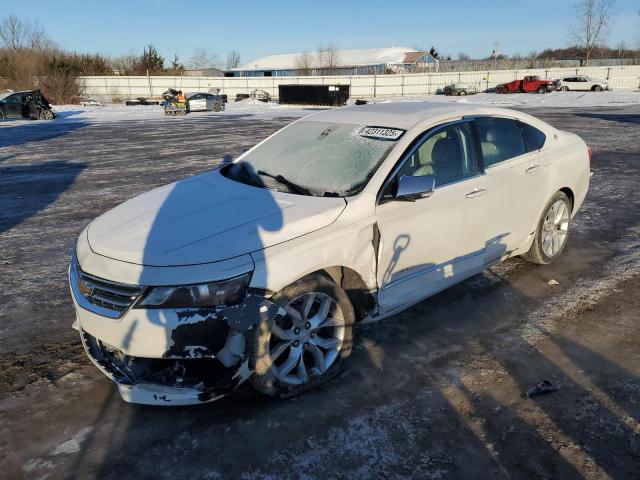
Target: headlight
<point x="211" y="294"/>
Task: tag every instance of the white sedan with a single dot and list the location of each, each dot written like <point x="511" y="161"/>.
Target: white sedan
<point x="200" y="102"/>
<point x="259" y="270"/>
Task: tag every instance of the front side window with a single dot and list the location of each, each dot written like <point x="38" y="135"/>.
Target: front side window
<point x="447" y="155"/>
<point x="325" y="159"/>
<point x="500" y="139"/>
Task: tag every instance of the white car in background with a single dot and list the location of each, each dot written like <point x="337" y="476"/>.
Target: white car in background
<point x="582" y="83"/>
<point x="259" y="270"/>
<point x="200" y="102"/>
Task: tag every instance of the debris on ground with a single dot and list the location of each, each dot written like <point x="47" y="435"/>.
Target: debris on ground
<point x="553" y="282"/>
<point x="546" y="386"/>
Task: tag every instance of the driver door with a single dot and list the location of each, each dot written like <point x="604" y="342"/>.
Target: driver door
<point x="431" y="243"/>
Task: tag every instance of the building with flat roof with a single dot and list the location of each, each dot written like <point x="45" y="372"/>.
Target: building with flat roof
<point x="339" y="62"/>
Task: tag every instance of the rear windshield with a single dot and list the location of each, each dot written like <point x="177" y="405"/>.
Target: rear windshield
<point x="325" y="159"/>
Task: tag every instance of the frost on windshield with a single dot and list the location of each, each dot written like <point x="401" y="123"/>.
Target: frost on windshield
<point x="322" y="157"/>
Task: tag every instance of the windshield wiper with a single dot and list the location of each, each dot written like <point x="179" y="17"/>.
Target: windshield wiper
<point x="293" y="186"/>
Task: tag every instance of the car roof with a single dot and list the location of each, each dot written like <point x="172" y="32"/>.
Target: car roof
<point x="405" y="115"/>
<point x="191" y="94"/>
<point x="7" y="94"/>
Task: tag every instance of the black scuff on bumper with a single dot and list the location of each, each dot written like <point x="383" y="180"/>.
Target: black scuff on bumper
<point x="207" y="358"/>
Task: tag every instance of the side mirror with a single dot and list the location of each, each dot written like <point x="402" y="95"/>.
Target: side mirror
<point x="411" y="189"/>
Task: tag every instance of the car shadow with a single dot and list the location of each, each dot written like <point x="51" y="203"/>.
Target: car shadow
<point x="612" y="117"/>
<point x="23" y="134"/>
<point x="28" y="189"/>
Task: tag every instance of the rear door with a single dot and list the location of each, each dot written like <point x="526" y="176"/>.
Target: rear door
<point x="197" y="102"/>
<point x="583" y="83"/>
<point x="434" y="242"/>
<point x="517" y="169"/>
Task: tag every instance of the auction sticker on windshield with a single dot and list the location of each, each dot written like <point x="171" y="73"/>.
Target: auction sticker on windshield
<point x="381" y="133"/>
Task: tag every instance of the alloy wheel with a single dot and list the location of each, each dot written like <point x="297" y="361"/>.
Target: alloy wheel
<point x="555" y="228"/>
<point x="307" y="341"/>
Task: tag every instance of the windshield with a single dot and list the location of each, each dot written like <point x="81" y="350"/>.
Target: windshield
<point x="317" y="158"/>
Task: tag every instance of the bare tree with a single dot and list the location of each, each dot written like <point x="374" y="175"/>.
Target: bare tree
<point x="638" y="30"/>
<point x="203" y="58"/>
<point x="233" y="59"/>
<point x="591" y="24"/>
<point x="327" y="58"/>
<point x="304" y="63"/>
<point x="463" y="56"/>
<point x="16" y="35"/>
<point x="331" y="55"/>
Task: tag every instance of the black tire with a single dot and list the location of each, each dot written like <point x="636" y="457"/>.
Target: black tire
<point x="564" y="88"/>
<point x="462" y="93"/>
<point x="542" y="90"/>
<point x="264" y="379"/>
<point x="597" y="88"/>
<point x="536" y="253"/>
<point x="216" y="107"/>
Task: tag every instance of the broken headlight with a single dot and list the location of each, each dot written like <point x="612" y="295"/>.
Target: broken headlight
<point x="212" y="294"/>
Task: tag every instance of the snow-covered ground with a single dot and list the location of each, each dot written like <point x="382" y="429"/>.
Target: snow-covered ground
<point x="551" y="100"/>
<point x="118" y="112"/>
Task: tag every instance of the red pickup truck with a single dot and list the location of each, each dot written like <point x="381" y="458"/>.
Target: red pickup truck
<point x="530" y="84"/>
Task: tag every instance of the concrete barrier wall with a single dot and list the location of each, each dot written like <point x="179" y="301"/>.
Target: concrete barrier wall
<point x="362" y="86"/>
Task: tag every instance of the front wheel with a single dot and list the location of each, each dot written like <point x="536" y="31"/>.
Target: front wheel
<point x="542" y="90"/>
<point x="597" y="88"/>
<point x="306" y="346"/>
<point x="216" y="107"/>
<point x="552" y="232"/>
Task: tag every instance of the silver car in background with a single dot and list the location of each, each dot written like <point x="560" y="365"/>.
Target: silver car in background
<point x="201" y="102"/>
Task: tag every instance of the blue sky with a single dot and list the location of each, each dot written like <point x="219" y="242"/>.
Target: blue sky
<point x="257" y="28"/>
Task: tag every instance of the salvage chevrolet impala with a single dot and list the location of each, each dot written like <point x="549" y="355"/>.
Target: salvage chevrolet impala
<point x="258" y="271"/>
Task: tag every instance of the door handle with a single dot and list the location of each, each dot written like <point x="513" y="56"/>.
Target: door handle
<point x="532" y="169"/>
<point x="476" y="192"/>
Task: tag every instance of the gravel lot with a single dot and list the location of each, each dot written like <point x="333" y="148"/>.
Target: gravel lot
<point x="434" y="392"/>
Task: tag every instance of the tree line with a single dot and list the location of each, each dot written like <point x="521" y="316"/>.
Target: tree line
<point x="29" y="59"/>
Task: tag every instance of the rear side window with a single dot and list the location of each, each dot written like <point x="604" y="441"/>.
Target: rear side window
<point x="533" y="137"/>
<point x="500" y="139"/>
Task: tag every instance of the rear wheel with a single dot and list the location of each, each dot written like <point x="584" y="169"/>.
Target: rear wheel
<point x="216" y="107"/>
<point x="564" y="89"/>
<point x="462" y="93"/>
<point x="552" y="232"/>
<point x="597" y="88"/>
<point x="307" y="346"/>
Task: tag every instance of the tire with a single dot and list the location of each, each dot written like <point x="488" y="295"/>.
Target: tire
<point x="597" y="88"/>
<point x="564" y="89"/>
<point x="462" y="93"/>
<point x="298" y="343"/>
<point x="557" y="230"/>
<point x="216" y="107"/>
<point x="1" y="116"/>
<point x="542" y="90"/>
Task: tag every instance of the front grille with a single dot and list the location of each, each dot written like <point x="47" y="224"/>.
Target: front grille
<point x="113" y="296"/>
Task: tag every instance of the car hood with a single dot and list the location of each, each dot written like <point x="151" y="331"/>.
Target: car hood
<point x="206" y="218"/>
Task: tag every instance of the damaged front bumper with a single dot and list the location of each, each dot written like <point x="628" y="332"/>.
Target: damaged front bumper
<point x="173" y="356"/>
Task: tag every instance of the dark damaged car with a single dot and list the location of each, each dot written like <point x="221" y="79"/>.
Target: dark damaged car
<point x="26" y="104"/>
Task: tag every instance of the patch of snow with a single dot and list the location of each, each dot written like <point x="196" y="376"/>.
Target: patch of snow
<point x="73" y="445"/>
<point x="533" y="100"/>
